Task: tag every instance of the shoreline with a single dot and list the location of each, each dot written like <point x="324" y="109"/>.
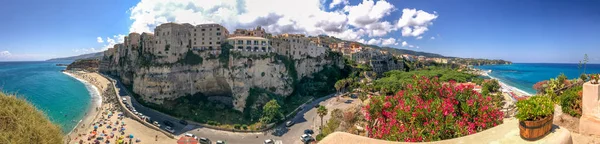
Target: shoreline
<point x="96" y="101"/>
<point x="506" y="86"/>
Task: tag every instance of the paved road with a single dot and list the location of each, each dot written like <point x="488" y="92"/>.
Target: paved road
<point x="305" y="119"/>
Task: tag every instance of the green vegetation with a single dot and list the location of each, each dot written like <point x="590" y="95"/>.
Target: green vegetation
<point x="21" y="122"/>
<point x="190" y="59"/>
<point x="570" y="101"/>
<point x="333" y="124"/>
<point x="271" y="112"/>
<point x="534" y="108"/>
<point x="322" y="111"/>
<point x="224" y="56"/>
<point x="395" y="80"/>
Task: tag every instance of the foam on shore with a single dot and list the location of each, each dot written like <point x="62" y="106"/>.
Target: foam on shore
<point x="95" y="97"/>
<point x="507" y="86"/>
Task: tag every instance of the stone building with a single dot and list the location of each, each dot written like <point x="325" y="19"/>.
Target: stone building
<point x="209" y="36"/>
<point x="296" y="46"/>
<point x="380" y="61"/>
<point x="250" y="44"/>
<point x="257" y="32"/>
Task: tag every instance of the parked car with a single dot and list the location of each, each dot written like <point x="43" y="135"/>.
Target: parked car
<point x="183" y="122"/>
<point x="169" y="129"/>
<point x="309" y="131"/>
<point x="317" y="106"/>
<point x="220" y="142"/>
<point x="269" y="141"/>
<point x="306" y="138"/>
<point x="124" y="99"/>
<point x="204" y="140"/>
<point x="156" y="123"/>
<point x="289" y="123"/>
<point x="168" y="123"/>
<point x="191" y="135"/>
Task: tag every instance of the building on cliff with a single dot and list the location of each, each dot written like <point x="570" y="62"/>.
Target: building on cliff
<point x="257" y="32"/>
<point x="250" y="44"/>
<point x="297" y="46"/>
<point x="380" y="61"/>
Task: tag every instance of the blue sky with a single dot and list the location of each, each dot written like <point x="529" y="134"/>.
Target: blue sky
<point x="515" y="30"/>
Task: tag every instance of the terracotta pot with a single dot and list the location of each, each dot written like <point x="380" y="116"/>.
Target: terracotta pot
<point x="534" y="130"/>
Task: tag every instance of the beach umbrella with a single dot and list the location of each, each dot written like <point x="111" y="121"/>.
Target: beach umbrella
<point x="130" y="135"/>
<point x="187" y="140"/>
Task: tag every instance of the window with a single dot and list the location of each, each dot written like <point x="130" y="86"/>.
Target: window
<point x="202" y="43"/>
<point x="210" y="29"/>
<point x="248" y="42"/>
<point x="240" y="42"/>
<point x="202" y="38"/>
<point x="194" y="34"/>
<point x="194" y="43"/>
<point x="203" y="29"/>
<point x="218" y="38"/>
<point x="255" y="42"/>
<point x="202" y="34"/>
<point x="210" y="47"/>
<point x="218" y="42"/>
<point x="240" y="47"/>
<point x="218" y="29"/>
<point x="209" y="38"/>
<point x="210" y="43"/>
<point x="218" y="33"/>
<point x="194" y="29"/>
<point x="194" y="39"/>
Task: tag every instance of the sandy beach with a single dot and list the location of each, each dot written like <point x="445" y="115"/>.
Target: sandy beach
<point x="105" y="120"/>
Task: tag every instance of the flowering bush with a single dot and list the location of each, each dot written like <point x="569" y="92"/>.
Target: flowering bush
<point x="595" y="78"/>
<point x="540" y="87"/>
<point x="427" y="110"/>
<point x="571" y="101"/>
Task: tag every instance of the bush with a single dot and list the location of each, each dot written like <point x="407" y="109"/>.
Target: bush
<point x="237" y="126"/>
<point x="428" y="110"/>
<point x="320" y="137"/>
<point x="245" y="127"/>
<point x="534" y="108"/>
<point x="21" y="122"/>
<point x="571" y="101"/>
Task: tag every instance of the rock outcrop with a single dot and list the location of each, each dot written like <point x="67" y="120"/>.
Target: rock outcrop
<point x="222" y="75"/>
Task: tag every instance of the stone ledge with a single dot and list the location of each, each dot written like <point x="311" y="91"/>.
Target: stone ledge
<point x="588" y="125"/>
<point x="504" y="133"/>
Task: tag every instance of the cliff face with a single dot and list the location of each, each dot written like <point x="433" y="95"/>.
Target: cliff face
<point x="220" y="75"/>
<point x="84" y="64"/>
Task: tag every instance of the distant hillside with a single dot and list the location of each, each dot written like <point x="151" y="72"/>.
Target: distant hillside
<point x="394" y="51"/>
<point x="97" y="55"/>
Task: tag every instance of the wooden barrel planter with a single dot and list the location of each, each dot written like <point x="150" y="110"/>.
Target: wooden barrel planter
<point x="534" y="130"/>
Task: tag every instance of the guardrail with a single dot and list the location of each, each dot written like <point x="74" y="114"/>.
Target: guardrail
<point x="130" y="114"/>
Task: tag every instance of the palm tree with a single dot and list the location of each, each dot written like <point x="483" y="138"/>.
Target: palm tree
<point x="322" y="111"/>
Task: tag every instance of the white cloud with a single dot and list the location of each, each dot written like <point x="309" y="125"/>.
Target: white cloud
<point x="432" y="38"/>
<point x="404" y="43"/>
<point x="368" y="12"/>
<point x="374" y="41"/>
<point x="337" y="2"/>
<point x="411" y="46"/>
<point x="5" y="54"/>
<point x="353" y="22"/>
<point x="389" y="41"/>
<point x="99" y="39"/>
<point x="420" y="37"/>
<point x="414" y="23"/>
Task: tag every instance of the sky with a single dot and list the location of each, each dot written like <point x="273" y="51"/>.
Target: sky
<point x="530" y="31"/>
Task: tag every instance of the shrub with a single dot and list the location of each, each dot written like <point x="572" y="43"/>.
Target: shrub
<point x="428" y="110"/>
<point x="245" y="127"/>
<point x="534" y="108"/>
<point x="320" y="137"/>
<point x="540" y="87"/>
<point x="21" y="122"/>
<point x="237" y="126"/>
<point x="571" y="101"/>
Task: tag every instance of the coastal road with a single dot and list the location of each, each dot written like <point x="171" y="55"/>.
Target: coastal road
<point x="306" y="118"/>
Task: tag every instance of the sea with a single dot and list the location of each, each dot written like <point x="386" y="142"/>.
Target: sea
<point x="524" y="75"/>
<point x="63" y="99"/>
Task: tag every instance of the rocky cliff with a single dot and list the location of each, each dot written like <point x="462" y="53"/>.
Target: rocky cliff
<point x="220" y="75"/>
<point x="84" y="64"/>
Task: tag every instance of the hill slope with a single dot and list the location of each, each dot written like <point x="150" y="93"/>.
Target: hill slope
<point x="395" y="51"/>
<point x="21" y="123"/>
<point x="97" y="55"/>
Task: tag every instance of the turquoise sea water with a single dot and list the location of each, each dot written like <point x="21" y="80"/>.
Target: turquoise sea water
<point x="524" y="75"/>
<point x="62" y="98"/>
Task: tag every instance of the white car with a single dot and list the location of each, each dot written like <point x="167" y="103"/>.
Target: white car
<point x="269" y="141"/>
<point x="306" y="137"/>
<point x="124" y="99"/>
<point x="169" y="129"/>
<point x="191" y="135"/>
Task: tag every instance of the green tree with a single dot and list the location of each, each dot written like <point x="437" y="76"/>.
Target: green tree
<point x="271" y="112"/>
<point x="322" y="111"/>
